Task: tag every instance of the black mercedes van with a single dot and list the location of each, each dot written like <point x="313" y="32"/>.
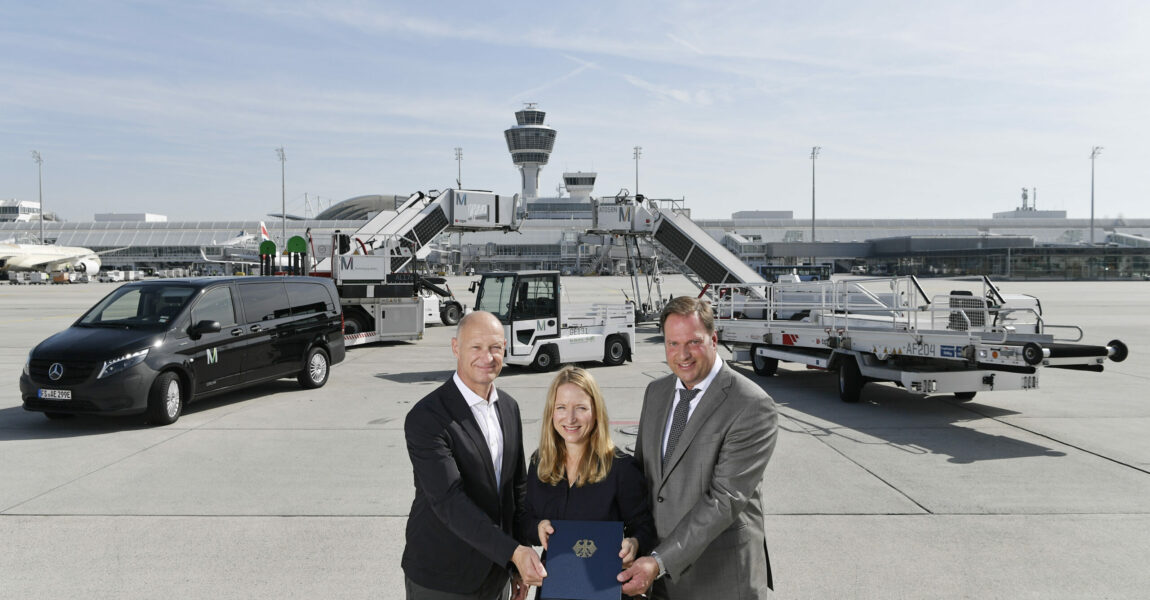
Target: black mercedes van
<point x="153" y="346"/>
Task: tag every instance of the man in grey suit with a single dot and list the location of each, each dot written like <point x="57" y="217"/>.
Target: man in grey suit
<point x="706" y="434"/>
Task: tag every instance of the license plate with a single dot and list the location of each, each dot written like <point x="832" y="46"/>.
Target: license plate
<point x="55" y="394"/>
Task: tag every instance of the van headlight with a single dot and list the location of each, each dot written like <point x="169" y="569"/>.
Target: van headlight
<point x="123" y="363"/>
<point x="28" y="364"/>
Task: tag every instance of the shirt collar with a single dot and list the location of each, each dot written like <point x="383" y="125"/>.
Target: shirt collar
<point x="471" y="397"/>
<point x="702" y="387"/>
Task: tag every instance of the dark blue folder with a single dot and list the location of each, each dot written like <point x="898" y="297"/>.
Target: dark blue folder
<point x="583" y="561"/>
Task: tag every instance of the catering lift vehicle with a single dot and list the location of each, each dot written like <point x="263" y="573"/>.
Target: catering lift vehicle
<point x="960" y="341"/>
<point x="543" y="331"/>
<point x="382" y="298"/>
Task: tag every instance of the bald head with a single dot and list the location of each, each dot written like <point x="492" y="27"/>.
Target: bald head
<point x="479" y="346"/>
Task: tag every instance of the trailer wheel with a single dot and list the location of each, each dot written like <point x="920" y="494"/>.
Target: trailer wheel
<point x="451" y="313"/>
<point x="546" y="359"/>
<point x="615" y="350"/>
<point x="964" y="396"/>
<point x="764" y="365"/>
<point x="1032" y="353"/>
<point x="1120" y="351"/>
<point x="851" y="381"/>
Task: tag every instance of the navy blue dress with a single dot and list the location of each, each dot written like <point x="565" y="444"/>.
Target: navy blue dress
<point x="622" y="496"/>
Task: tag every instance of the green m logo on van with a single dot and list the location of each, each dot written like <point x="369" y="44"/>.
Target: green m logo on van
<point x="213" y="355"/>
<point x="540" y="325"/>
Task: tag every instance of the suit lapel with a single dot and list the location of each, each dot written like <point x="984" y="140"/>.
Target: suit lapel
<point x="661" y="400"/>
<point x="712" y="399"/>
<point x="461" y="412"/>
<point x="510" y="426"/>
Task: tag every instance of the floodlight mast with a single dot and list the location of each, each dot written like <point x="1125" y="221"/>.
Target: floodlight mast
<point x="638" y="153"/>
<point x="814" y="156"/>
<point x="40" y="181"/>
<point x="1094" y="152"/>
<point x="283" y="197"/>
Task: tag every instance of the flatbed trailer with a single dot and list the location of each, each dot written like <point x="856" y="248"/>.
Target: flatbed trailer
<point x="889" y="329"/>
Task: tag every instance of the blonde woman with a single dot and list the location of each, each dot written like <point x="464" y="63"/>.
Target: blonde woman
<point x="577" y="473"/>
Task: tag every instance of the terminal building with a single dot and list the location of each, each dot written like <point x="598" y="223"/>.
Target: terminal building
<point x="1021" y="243"/>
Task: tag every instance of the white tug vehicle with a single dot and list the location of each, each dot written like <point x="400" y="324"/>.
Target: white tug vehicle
<point x="544" y="331"/>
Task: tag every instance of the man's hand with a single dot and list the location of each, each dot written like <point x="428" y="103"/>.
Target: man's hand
<point x="628" y="551"/>
<point x="530" y="567"/>
<point x="518" y="588"/>
<point x="545" y="531"/>
<point x="638" y="578"/>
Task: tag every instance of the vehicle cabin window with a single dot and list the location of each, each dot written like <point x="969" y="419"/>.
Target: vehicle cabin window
<point x="308" y="298"/>
<point x="140" y="306"/>
<point x="216" y="305"/>
<point x="264" y="301"/>
<point x="536" y="298"/>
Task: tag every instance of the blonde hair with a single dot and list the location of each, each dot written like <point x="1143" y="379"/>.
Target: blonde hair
<point x="552" y="455"/>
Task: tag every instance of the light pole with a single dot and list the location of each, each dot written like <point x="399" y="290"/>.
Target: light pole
<point x="1094" y="152"/>
<point x="459" y="167"/>
<point x="40" y="181"/>
<point x="638" y="153"/>
<point x="283" y="197"/>
<point x="814" y="156"/>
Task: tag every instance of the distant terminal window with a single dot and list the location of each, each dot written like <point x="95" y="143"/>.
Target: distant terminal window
<point x="580" y="180"/>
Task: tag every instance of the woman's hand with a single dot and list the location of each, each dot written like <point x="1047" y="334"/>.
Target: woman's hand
<point x="545" y="531"/>
<point x="628" y="551"/>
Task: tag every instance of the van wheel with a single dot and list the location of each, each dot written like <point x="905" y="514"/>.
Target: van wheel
<point x="764" y="365"/>
<point x="316" y="369"/>
<point x="451" y="313"/>
<point x="850" y="380"/>
<point x="615" y="351"/>
<point x="166" y="399"/>
<point x="546" y="359"/>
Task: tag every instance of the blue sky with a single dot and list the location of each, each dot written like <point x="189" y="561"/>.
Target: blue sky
<point x="923" y="109"/>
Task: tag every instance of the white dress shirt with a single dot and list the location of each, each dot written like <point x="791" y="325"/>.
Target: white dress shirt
<point x="486" y="414"/>
<point x="702" y="387"/>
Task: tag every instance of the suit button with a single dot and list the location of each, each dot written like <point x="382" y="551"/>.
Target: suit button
<point x="660" y="498"/>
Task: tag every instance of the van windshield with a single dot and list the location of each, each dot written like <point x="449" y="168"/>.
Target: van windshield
<point x="139" y="307"/>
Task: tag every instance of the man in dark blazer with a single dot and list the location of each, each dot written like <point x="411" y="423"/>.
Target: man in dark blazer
<point x="465" y="441"/>
<point x="705" y="436"/>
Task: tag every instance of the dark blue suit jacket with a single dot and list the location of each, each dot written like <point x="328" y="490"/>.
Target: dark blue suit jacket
<point x="461" y="524"/>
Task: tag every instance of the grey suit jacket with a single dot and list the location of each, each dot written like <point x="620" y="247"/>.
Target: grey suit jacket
<point x="708" y="504"/>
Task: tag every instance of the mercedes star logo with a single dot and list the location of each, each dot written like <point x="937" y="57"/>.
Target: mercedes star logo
<point x="56" y="371"/>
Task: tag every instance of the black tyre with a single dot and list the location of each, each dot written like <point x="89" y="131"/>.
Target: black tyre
<point x="851" y="381"/>
<point x="547" y="359"/>
<point x="451" y="313"/>
<point x="1032" y="353"/>
<point x="166" y="399"/>
<point x="355" y="321"/>
<point x="316" y="368"/>
<point x="1120" y="351"/>
<point x="763" y="365"/>
<point x="964" y="396"/>
<point x="615" y="351"/>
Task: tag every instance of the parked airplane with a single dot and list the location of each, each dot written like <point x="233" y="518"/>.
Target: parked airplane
<point x="48" y="257"/>
<point x="242" y="249"/>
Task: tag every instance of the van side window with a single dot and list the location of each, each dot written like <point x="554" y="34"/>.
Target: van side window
<point x="308" y="298"/>
<point x="216" y="305"/>
<point x="264" y="301"/>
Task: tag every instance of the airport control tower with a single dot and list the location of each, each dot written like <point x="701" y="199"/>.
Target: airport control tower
<point x="530" y="143"/>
